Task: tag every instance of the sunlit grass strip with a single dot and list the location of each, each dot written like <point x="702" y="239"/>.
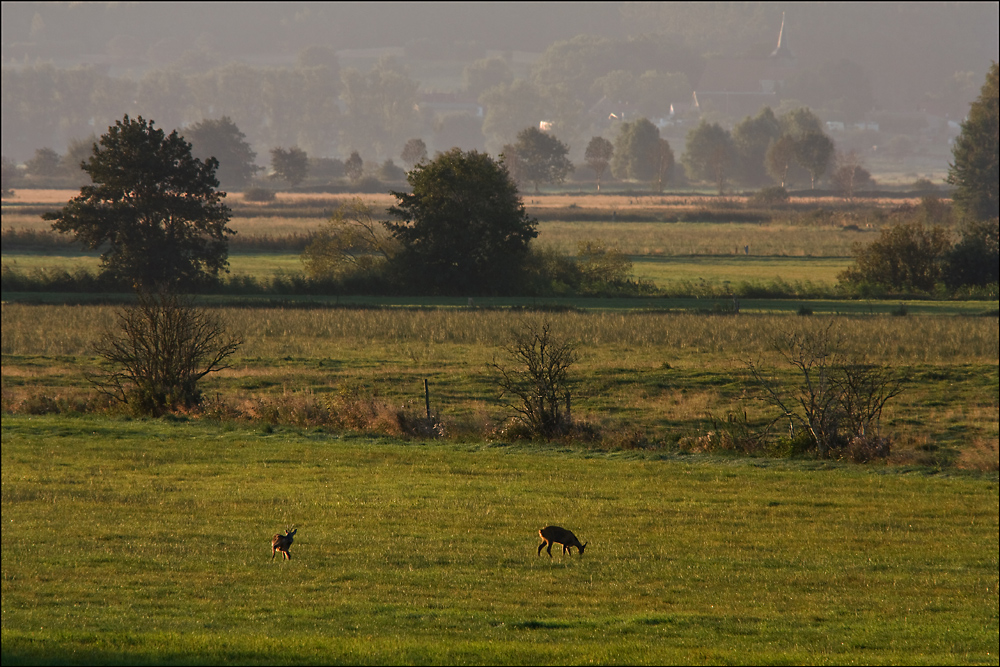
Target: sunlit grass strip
<point x="146" y="541"/>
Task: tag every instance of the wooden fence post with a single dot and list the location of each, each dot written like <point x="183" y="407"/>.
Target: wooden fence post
<point x="427" y="399"/>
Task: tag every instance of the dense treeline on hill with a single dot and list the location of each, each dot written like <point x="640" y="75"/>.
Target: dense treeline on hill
<point x="70" y="70"/>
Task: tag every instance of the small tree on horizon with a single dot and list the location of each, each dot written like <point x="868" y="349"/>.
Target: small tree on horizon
<point x="598" y="156"/>
<point x="414" y="152"/>
<point x="540" y="157"/>
<point x="292" y="165"/>
<point x="223" y="140"/>
<point x="354" y="166"/>
<point x="710" y="154"/>
<point x="46" y="162"/>
<point x="637" y="154"/>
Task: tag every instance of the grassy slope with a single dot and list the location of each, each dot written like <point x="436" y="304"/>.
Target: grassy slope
<point x="148" y="542"/>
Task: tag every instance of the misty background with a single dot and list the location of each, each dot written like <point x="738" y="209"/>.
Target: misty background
<point x="335" y="78"/>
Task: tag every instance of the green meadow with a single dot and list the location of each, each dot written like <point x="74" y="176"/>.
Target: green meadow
<point x="644" y="377"/>
<point x="663" y="272"/>
<point x="147" y="541"/>
<point x="140" y="542"/>
<point x="662" y="253"/>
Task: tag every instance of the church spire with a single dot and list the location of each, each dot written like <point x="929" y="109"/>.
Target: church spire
<point x="782" y="50"/>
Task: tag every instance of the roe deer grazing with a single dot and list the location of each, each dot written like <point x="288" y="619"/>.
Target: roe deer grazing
<point x="281" y="543"/>
<point x="555" y="534"/>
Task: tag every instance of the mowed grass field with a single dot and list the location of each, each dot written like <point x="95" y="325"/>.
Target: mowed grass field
<point x="130" y="542"/>
<point x="147" y="541"/>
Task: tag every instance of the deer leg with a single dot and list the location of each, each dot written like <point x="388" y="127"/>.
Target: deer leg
<point x="540" y="547"/>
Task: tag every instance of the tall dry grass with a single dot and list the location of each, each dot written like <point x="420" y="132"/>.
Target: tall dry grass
<point x="71" y="330"/>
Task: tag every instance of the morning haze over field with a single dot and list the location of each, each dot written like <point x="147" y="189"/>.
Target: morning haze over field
<point x="324" y="322"/>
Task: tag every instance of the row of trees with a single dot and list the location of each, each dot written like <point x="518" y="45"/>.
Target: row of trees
<point x="786" y="149"/>
<point x="155" y="209"/>
<point x="318" y="105"/>
<point x="789" y="148"/>
<point x="155" y="212"/>
<point x="325" y="109"/>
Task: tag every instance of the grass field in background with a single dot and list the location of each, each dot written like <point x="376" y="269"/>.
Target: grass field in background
<point x="148" y="541"/>
<point x="661" y="271"/>
<point x="132" y="541"/>
<point x="668" y="375"/>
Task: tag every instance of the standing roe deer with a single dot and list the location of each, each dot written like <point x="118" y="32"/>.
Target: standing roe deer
<point x="282" y="542"/>
<point x="555" y="534"/>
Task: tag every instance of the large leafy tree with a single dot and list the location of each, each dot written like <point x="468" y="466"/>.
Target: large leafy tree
<point x="221" y="139"/>
<point x="975" y="171"/>
<point x="153" y="207"/>
<point x="540" y="157"/>
<point x="463" y="229"/>
<point x="780" y="159"/>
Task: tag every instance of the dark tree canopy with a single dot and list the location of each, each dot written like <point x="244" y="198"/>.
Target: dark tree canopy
<point x="463" y="229"/>
<point x="975" y="169"/>
<point x="154" y="206"/>
<point x="222" y="140"/>
<point x="905" y="256"/>
<point x="539" y="157"/>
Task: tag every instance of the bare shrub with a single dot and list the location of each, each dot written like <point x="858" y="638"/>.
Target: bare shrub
<point x="837" y="400"/>
<point x="534" y="380"/>
<point x="159" y="351"/>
